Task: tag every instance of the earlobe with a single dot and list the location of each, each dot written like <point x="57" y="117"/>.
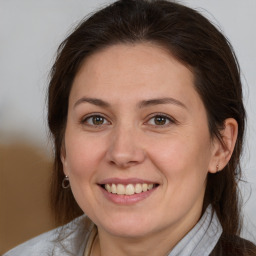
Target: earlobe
<point x="223" y="149"/>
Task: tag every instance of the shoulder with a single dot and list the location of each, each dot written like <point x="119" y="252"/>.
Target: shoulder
<point x="55" y="242"/>
<point x="234" y="246"/>
<point x="40" y="245"/>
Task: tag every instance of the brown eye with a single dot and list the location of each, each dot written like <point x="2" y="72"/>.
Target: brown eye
<point x="160" y="120"/>
<point x="96" y="120"/>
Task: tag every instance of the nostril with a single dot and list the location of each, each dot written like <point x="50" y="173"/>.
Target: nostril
<point x="125" y="155"/>
<point x="123" y="164"/>
<point x="112" y="162"/>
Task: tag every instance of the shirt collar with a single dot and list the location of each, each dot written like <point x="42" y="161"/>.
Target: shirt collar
<point x="202" y="238"/>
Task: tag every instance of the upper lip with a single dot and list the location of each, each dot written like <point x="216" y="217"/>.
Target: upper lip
<point x="126" y="181"/>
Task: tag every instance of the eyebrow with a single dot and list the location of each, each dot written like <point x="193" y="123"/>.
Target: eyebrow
<point x="142" y="104"/>
<point x="94" y="101"/>
<point x="160" y="101"/>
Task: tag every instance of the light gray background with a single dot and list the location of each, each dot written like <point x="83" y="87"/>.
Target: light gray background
<point x="31" y="30"/>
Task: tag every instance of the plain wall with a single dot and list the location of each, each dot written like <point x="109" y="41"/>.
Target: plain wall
<point x="30" y="32"/>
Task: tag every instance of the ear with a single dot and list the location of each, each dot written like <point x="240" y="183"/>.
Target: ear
<point x="63" y="158"/>
<point x="222" y="151"/>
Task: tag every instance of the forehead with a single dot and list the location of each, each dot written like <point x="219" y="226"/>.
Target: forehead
<point x="134" y="70"/>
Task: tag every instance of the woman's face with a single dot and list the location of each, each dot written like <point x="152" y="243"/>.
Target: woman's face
<point x="137" y="145"/>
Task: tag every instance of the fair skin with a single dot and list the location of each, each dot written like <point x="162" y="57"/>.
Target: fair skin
<point x="134" y="117"/>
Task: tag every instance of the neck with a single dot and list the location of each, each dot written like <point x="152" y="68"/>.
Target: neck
<point x="154" y="244"/>
<point x="132" y="247"/>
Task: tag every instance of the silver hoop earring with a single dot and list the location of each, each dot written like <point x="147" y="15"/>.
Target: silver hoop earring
<point x="65" y="183"/>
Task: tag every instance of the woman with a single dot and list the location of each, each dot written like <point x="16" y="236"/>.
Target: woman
<point x="145" y="108"/>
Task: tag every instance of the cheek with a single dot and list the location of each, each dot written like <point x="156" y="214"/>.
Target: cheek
<point x="183" y="158"/>
<point x="172" y="153"/>
<point x="83" y="157"/>
<point x="82" y="154"/>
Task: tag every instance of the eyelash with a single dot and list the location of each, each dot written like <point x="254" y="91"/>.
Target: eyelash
<point x="161" y="115"/>
<point x="166" y="118"/>
<point x="85" y="119"/>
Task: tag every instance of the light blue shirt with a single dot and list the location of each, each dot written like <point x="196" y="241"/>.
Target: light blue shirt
<point x="200" y="241"/>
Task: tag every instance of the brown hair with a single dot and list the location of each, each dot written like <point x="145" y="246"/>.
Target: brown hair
<point x="195" y="42"/>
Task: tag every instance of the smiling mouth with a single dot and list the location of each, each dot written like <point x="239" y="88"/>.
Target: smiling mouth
<point x="129" y="189"/>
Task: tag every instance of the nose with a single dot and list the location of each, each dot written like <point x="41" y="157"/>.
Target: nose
<point x="125" y="149"/>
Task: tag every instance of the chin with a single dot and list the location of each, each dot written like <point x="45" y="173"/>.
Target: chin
<point x="128" y="228"/>
<point x="129" y="232"/>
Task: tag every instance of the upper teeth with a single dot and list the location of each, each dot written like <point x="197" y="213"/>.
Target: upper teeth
<point x="129" y="189"/>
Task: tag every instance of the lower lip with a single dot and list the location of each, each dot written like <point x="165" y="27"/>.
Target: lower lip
<point x="125" y="199"/>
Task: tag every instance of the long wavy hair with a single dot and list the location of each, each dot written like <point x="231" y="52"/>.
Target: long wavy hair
<point x="193" y="41"/>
